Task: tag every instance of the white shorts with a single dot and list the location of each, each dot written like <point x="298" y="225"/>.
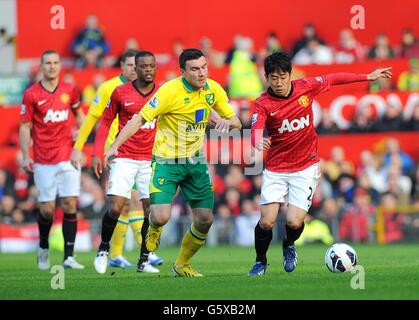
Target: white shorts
<point x="52" y="179"/>
<point x="299" y="186"/>
<point x="124" y="173"/>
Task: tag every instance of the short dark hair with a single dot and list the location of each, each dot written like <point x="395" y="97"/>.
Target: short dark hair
<point x="277" y="61"/>
<point x="141" y="54"/>
<point x="189" y="54"/>
<point x="128" y="54"/>
<point x="46" y="52"/>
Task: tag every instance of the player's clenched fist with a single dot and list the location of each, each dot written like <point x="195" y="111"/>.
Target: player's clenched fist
<point x="264" y="144"/>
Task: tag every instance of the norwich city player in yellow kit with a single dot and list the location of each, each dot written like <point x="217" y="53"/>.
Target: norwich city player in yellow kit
<point x="182" y="106"/>
<point x="133" y="218"/>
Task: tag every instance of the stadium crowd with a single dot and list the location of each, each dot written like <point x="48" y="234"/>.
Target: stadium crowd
<point x="346" y="201"/>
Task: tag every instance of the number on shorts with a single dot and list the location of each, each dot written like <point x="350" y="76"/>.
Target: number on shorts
<point x="311" y="193"/>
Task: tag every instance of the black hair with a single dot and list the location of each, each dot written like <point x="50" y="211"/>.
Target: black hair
<point x="47" y="52"/>
<point x="189" y="54"/>
<point x="277" y="61"/>
<point x="128" y="54"/>
<point x="142" y="54"/>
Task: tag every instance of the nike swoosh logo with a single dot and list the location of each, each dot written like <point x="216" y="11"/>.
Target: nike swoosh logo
<point x="40" y="103"/>
<point x="129" y="103"/>
<point x="273" y="113"/>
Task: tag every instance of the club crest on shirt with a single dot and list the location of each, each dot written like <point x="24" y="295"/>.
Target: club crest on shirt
<point x="303" y="101"/>
<point x="210" y="98"/>
<point x="160" y="181"/>
<point x="64" y="97"/>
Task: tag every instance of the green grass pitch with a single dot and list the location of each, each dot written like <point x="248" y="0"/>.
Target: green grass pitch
<point x="391" y="272"/>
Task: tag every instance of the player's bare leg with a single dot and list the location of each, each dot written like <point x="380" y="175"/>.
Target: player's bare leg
<point x="263" y="236"/>
<point x="45" y="219"/>
<point x="293" y="229"/>
<point x="69" y="205"/>
<point x="159" y="216"/>
<point x="193" y="240"/>
<point x="109" y="221"/>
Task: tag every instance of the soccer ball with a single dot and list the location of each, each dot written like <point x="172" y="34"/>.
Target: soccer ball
<point x="340" y="258"/>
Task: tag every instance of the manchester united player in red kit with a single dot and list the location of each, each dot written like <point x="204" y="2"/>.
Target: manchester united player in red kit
<point x="132" y="164"/>
<point x="292" y="164"/>
<point x="45" y="116"/>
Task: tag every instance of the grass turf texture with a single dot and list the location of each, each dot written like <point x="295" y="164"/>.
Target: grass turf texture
<point x="391" y="272"/>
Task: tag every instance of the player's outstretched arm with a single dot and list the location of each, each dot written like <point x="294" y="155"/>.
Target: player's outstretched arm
<point x="24" y="143"/>
<point x="132" y="126"/>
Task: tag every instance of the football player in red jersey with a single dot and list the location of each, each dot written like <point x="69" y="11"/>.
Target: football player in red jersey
<point x="292" y="164"/>
<point x="133" y="162"/>
<point x="45" y="117"/>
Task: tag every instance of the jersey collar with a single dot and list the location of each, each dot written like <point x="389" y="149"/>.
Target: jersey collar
<point x="189" y="88"/>
<point x="272" y="94"/>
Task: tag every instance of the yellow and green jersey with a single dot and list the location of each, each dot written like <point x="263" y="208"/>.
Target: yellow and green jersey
<point x="96" y="110"/>
<point x="183" y="116"/>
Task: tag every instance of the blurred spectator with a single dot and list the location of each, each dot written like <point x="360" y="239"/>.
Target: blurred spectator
<point x="410" y="45"/>
<point x="90" y="46"/>
<point x="381" y="49"/>
<point x="363" y="121"/>
<point x="348" y="50"/>
<point x="372" y="167"/>
<point x="236" y="179"/>
<point x="7" y="207"/>
<point x="364" y="183"/>
<point x="392" y="219"/>
<point x="272" y="45"/>
<point x="245" y="224"/>
<point x="327" y="125"/>
<point x="314" y="53"/>
<point x="413" y="122"/>
<point x="345" y="187"/>
<point x="337" y="165"/>
<point x="232" y="200"/>
<point x="89" y="91"/>
<point x="215" y="58"/>
<point x="395" y="155"/>
<point x="392" y="119"/>
<point x="356" y="219"/>
<point x="6" y="184"/>
<point x="223" y="225"/>
<point x="244" y="81"/>
<point x="131" y="44"/>
<point x="7" y="52"/>
<point x="309" y="33"/>
<point x="409" y="80"/>
<point x="381" y="85"/>
<point x="315" y="231"/>
<point x="399" y="185"/>
<point x="330" y="214"/>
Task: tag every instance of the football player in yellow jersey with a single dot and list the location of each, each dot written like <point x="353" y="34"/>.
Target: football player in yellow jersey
<point x="182" y="106"/>
<point x="94" y="114"/>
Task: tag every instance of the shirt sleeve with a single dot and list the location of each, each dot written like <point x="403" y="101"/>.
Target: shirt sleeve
<point x="222" y="105"/>
<point x="108" y="117"/>
<point x="100" y="101"/>
<point x="258" y="124"/>
<point x="27" y="108"/>
<point x="159" y="104"/>
<point x="75" y="98"/>
<point x="318" y="84"/>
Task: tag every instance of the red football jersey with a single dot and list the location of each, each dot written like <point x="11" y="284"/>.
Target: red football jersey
<point x="126" y="101"/>
<point x="289" y="122"/>
<point x="49" y="114"/>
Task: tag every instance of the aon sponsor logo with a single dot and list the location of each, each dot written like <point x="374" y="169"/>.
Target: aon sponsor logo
<point x="295" y="124"/>
<point x="149" y="125"/>
<point x="56" y="116"/>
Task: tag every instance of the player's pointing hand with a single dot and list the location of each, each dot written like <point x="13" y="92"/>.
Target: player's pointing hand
<point x="380" y="73"/>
